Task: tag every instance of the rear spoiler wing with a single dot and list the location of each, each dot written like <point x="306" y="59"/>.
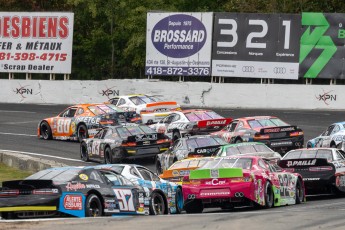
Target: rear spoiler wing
<point x="304" y="163"/>
<point x="28" y="184"/>
<point x="278" y="129"/>
<point x="221" y="122"/>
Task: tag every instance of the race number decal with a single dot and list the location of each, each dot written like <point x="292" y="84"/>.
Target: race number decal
<point x="95" y="147"/>
<point x="125" y="199"/>
<point x="256" y="45"/>
<point x="287" y="185"/>
<point x="63" y="125"/>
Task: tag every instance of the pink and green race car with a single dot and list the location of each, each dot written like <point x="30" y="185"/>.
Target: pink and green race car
<point x="235" y="181"/>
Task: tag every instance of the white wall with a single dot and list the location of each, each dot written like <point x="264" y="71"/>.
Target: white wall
<point x="186" y="93"/>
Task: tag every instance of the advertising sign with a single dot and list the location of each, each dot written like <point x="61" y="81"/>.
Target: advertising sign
<point x="256" y="45"/>
<point x="323" y="46"/>
<point x="179" y="44"/>
<point x="36" y="42"/>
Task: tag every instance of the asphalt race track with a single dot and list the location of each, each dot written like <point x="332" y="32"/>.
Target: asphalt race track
<point x="18" y="128"/>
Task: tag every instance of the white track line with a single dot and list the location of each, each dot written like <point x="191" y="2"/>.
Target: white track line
<point x="18" y="134"/>
<point x="14" y="111"/>
<point x="19" y="122"/>
<point x="42" y="155"/>
<point x="62" y="219"/>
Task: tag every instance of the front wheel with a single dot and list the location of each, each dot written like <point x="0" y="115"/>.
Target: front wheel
<point x="83" y="152"/>
<point x="93" y="206"/>
<point x="299" y="192"/>
<point x="157" y="205"/>
<point x="269" y="197"/>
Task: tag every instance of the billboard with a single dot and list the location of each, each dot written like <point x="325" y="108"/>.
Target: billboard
<point x="323" y="46"/>
<point x="178" y="44"/>
<point x="256" y="45"/>
<point x="36" y="42"/>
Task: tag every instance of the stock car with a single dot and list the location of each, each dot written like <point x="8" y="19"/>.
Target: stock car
<point x="81" y="121"/>
<point x="248" y="148"/>
<point x="322" y="169"/>
<point x="332" y="137"/>
<point x="114" y="143"/>
<point x="190" y="122"/>
<point x="229" y="182"/>
<point x="166" y="196"/>
<point x="270" y="130"/>
<point x="72" y="191"/>
<point x="179" y="169"/>
<point x="187" y="147"/>
<point x="151" y="108"/>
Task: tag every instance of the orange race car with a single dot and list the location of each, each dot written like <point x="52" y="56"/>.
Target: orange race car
<point x="82" y="121"/>
<point x="179" y="169"/>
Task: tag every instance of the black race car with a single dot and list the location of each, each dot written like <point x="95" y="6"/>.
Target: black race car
<point x="189" y="146"/>
<point x="114" y="143"/>
<point x="72" y="191"/>
<point x="322" y="169"/>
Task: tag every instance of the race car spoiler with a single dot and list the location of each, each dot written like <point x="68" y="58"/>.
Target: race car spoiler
<point x="314" y="165"/>
<point x="28" y="184"/>
<point x="144" y="137"/>
<point x="214" y="122"/>
<point x="161" y="106"/>
<point x="204" y="151"/>
<point x="279" y="129"/>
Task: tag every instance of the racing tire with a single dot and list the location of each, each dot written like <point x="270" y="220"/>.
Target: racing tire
<point x="193" y="206"/>
<point x="299" y="192"/>
<point x="93" y="206"/>
<point x="269" y="196"/>
<point x="176" y="136"/>
<point x="159" y="169"/>
<point x="8" y="215"/>
<point x="84" y="155"/>
<point x="46" y="131"/>
<point x="108" y="156"/>
<point x="333" y="145"/>
<point x="238" y="140"/>
<point x="82" y="132"/>
<point x="157" y="204"/>
<point x="179" y="200"/>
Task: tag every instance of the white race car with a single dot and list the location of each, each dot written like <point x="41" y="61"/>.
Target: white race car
<point x="190" y="122"/>
<point x="332" y="137"/>
<point x="150" y="108"/>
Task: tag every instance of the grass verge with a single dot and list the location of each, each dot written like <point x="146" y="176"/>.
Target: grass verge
<point x="9" y="173"/>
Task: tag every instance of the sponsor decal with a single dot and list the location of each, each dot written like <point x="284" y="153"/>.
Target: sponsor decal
<point x="23" y="90"/>
<point x="73" y="202"/>
<point x="83" y="176"/>
<point x="215" y="182"/>
<point x="273" y="130"/>
<point x="145" y="137"/>
<point x="301" y="163"/>
<point x="175" y="173"/>
<point x="279" y="70"/>
<point x="91" y="120"/>
<point x="222" y="122"/>
<point x="92" y="186"/>
<point x="310" y="179"/>
<point x="215" y="192"/>
<point x="287" y="129"/>
<point x="184" y="172"/>
<point x="326" y="97"/>
<point x="283" y="143"/>
<point x="210" y="150"/>
<point x="179" y="36"/>
<point x="246" y="69"/>
<point x="74" y="186"/>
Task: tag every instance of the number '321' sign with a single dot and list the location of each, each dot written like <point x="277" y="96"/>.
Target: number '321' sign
<point x="256" y="45"/>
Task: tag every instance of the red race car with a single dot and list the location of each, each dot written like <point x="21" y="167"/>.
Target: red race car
<point x="229" y="182"/>
<point x="272" y="131"/>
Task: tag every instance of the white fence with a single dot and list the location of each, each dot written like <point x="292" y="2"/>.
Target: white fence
<point x="196" y="94"/>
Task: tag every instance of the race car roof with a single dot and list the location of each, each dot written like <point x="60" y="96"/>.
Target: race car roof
<point x="255" y="118"/>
